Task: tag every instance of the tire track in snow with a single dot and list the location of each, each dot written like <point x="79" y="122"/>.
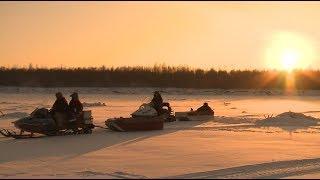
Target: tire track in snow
<point x="274" y="170"/>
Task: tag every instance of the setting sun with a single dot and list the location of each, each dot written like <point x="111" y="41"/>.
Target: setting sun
<point x="289" y="51"/>
<point x="289" y="59"/>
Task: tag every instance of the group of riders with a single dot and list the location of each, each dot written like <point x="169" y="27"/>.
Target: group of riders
<point x="61" y="105"/>
<point x="62" y="110"/>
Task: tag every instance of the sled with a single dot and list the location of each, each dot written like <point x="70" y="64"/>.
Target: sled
<point x="135" y="124"/>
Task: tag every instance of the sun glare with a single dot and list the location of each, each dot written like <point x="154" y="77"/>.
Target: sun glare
<point x="288" y="51"/>
<point x="289" y="59"/>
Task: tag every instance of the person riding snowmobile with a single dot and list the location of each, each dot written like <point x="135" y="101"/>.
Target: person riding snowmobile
<point x="157" y="101"/>
<point x="59" y="109"/>
<point x="60" y="105"/>
<point x="75" y="110"/>
<point x="158" y="104"/>
<point x="75" y="106"/>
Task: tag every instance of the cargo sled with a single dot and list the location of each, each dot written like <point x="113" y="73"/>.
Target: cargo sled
<point x="135" y="124"/>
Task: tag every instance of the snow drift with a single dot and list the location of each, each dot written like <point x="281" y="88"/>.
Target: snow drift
<point x="289" y="119"/>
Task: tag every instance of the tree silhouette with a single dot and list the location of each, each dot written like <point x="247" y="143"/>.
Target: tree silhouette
<point x="156" y="76"/>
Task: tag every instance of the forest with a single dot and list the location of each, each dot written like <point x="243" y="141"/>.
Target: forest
<point x="156" y="76"/>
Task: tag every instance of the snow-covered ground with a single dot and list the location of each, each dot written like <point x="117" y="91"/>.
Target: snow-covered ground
<point x="240" y="142"/>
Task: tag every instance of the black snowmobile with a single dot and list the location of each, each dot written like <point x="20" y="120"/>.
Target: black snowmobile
<point x="41" y="121"/>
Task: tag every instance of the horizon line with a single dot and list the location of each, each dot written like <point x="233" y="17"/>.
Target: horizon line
<point x="159" y="65"/>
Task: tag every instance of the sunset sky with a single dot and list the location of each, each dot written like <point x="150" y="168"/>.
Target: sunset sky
<point x="227" y="35"/>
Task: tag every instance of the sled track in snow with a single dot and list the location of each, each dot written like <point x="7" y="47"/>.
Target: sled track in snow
<point x="274" y="170"/>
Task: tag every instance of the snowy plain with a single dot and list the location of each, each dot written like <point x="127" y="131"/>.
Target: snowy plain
<point x="239" y="142"/>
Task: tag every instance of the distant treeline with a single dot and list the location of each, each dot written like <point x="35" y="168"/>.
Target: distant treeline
<point x="157" y="76"/>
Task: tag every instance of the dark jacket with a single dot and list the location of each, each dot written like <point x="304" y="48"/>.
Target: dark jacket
<point x="157" y="102"/>
<point x="60" y="105"/>
<point x="75" y="106"/>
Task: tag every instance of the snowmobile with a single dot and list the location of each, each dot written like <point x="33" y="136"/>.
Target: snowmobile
<point x="41" y="121"/>
<point x="198" y="114"/>
<point x="144" y="119"/>
<point x="146" y="110"/>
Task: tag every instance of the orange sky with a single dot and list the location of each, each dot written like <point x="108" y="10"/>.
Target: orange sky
<point x="199" y="34"/>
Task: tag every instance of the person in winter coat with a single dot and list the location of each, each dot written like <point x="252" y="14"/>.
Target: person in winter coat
<point x="75" y="106"/>
<point x="59" y="110"/>
<point x="157" y="101"/>
<point x="60" y="105"/>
